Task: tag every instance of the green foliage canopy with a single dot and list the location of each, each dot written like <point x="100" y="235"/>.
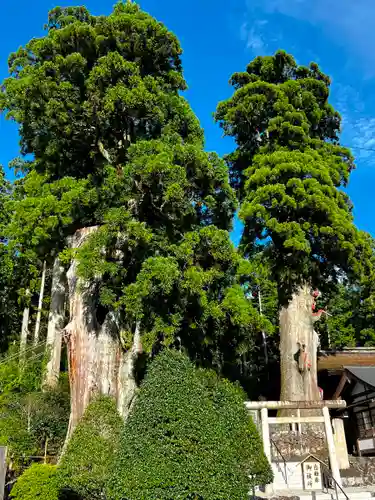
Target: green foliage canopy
<point x="82" y="95"/>
<point x="10" y="272"/>
<point x="116" y="146"/>
<point x="94" y="79"/>
<point x="289" y="170"/>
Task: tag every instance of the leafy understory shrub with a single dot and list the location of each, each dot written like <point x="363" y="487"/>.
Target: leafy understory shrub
<point x="188" y="437"/>
<point x="90" y="454"/>
<point x="37" y="482"/>
<point x="32" y="421"/>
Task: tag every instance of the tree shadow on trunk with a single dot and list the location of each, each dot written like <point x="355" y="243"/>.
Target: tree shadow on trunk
<point x="140" y="367"/>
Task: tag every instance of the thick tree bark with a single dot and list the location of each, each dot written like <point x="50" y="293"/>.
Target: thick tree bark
<point x="55" y="325"/>
<point x="24" y="330"/>
<point x="298" y="349"/>
<point x="40" y="304"/>
<point x="97" y="361"/>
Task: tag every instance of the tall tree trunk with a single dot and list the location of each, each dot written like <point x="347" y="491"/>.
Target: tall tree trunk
<point x="24" y="330"/>
<point x="40" y="305"/>
<point x="298" y="349"/>
<point x="97" y="361"/>
<point x="55" y="325"/>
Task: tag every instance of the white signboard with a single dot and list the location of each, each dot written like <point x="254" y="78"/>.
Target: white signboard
<point x="312" y="476"/>
<point x="366" y="444"/>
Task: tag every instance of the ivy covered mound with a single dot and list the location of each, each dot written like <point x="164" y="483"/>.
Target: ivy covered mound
<point x="188" y="437"/>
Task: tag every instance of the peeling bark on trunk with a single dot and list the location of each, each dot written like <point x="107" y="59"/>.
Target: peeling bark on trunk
<point x="40" y="304"/>
<point x="55" y="325"/>
<point x="298" y="349"/>
<point x="97" y="361"/>
<point x="24" y="331"/>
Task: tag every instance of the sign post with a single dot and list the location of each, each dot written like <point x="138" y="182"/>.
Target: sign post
<point x="312" y="475"/>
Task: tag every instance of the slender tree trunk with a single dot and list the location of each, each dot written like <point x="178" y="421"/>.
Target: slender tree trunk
<point x="28" y="414"/>
<point x="55" y="325"/>
<point x="45" y="450"/>
<point x="97" y="361"/>
<point x="298" y="349"/>
<point x="264" y="337"/>
<point x="24" y="330"/>
<point x="40" y="305"/>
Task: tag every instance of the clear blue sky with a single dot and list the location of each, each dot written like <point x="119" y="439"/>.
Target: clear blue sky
<point x="220" y="37"/>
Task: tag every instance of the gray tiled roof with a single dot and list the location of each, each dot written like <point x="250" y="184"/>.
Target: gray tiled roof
<point x="364" y="373"/>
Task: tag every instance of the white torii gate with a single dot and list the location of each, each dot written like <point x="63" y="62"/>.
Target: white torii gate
<point x="324" y="406"/>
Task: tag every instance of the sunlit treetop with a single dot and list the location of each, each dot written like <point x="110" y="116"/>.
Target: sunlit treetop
<point x="94" y="85"/>
<point x="288" y="171"/>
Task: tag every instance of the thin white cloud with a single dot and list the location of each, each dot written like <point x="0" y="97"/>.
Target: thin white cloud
<point x="350" y="23"/>
<point x="363" y="139"/>
<point x="350" y="105"/>
<point x="347" y="99"/>
<point x="252" y="35"/>
<point x="358" y="128"/>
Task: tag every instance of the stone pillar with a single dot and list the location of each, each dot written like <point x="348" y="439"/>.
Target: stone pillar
<point x="340" y="443"/>
<point x="266" y="442"/>
<point x="331" y="447"/>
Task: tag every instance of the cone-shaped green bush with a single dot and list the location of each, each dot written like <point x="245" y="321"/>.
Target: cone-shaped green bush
<point x="86" y="465"/>
<point x="188" y="437"/>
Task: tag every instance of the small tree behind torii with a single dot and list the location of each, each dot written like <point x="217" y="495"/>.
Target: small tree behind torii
<point x="288" y="170"/>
